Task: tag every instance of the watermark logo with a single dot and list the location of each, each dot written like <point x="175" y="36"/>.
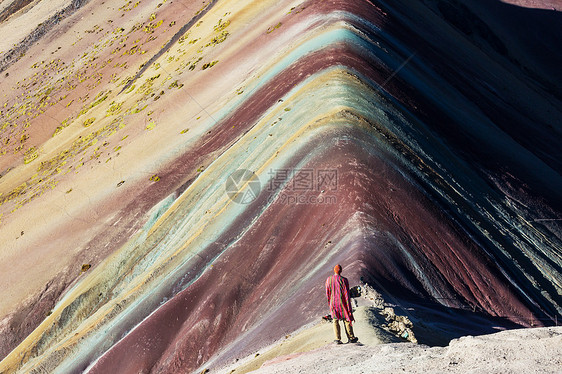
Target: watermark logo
<point x="243" y="186"/>
<point x="303" y="199"/>
<point x="303" y="180"/>
<point x="285" y="186"/>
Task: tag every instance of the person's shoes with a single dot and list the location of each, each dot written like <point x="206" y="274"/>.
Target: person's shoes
<point x="354" y="340"/>
<point x="338" y="341"/>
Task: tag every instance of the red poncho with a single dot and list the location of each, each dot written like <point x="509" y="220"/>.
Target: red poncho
<point x="337" y="290"/>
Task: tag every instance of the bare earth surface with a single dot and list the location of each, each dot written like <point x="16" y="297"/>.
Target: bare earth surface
<point x="312" y="350"/>
<point x="515" y="351"/>
<point x="418" y="143"/>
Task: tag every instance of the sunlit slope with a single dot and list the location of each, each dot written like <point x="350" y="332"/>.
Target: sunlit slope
<point x="118" y="147"/>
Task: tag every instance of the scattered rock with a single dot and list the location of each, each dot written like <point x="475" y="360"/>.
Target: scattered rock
<point x="398" y="325"/>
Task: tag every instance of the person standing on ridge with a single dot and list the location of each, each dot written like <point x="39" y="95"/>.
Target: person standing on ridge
<point x="337" y="291"/>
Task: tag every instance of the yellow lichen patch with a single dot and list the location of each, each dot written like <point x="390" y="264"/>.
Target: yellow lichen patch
<point x="146" y="87"/>
<point x="114" y="109"/>
<point x="138" y="109"/>
<point x="129" y="6"/>
<point x="295" y="10"/>
<point x="149" y="29"/>
<point x="18" y="191"/>
<point x="64" y="123"/>
<point x="49" y="169"/>
<point x="89" y="121"/>
<point x="30" y="155"/>
<point x="134" y="49"/>
<point x="52" y="82"/>
<point x="130" y="89"/>
<point x="183" y="38"/>
<point x="97" y="100"/>
<point x="218" y="39"/>
<point x="176" y="84"/>
<point x="194" y="63"/>
<point x="209" y="65"/>
<point x="85" y="268"/>
<point x="273" y="28"/>
<point x="221" y="25"/>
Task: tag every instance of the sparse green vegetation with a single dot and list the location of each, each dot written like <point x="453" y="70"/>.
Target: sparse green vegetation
<point x="72" y="84"/>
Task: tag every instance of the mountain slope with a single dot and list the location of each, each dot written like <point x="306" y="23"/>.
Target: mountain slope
<point x="417" y="143"/>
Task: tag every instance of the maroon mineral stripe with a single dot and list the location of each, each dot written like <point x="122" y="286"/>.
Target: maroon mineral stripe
<point x="255" y="283"/>
<point x="224" y="134"/>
